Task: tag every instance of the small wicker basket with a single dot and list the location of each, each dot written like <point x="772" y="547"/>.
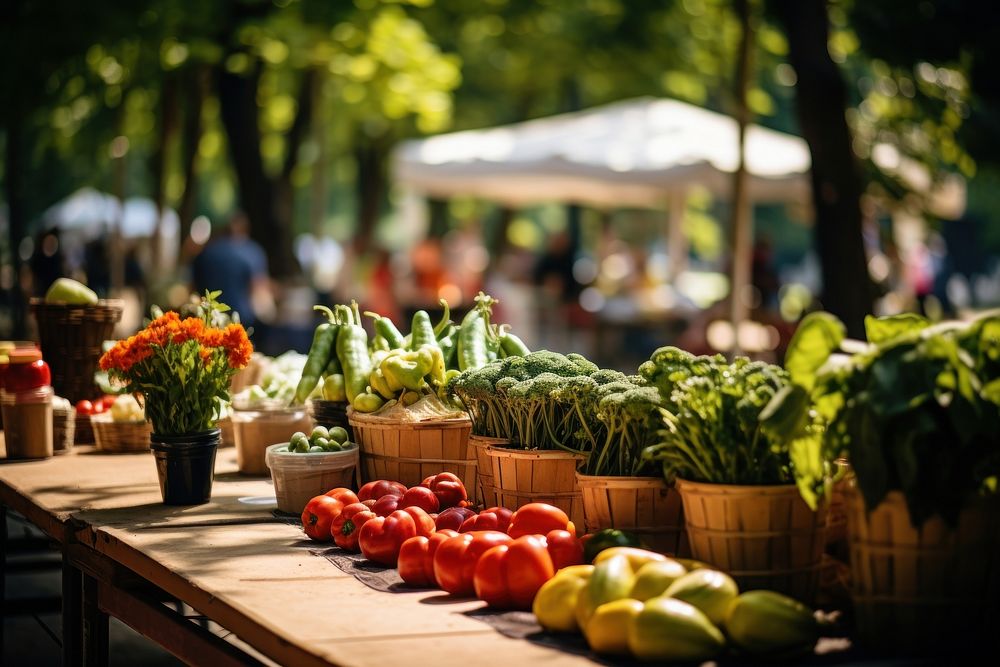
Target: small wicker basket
<point x="112" y="436"/>
<point x="486" y="494"/>
<point x="83" y="434"/>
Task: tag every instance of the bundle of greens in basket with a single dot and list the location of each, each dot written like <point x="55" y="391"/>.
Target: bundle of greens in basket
<point x="716" y="427"/>
<point x="547" y="400"/>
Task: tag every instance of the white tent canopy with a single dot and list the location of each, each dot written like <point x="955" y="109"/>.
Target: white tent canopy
<point x="634" y="153"/>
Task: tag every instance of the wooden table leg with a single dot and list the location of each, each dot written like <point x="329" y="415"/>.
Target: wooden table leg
<point x="95" y="626"/>
<point x="72" y="615"/>
<point x="3" y="574"/>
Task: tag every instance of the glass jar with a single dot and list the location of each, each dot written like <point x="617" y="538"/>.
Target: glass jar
<point x="27" y="405"/>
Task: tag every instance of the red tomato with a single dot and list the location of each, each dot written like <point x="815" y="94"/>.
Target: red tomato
<point x="380" y="487"/>
<point x="509" y="575"/>
<point x="538" y="519"/>
<point x="494" y="518"/>
<point x="344" y="495"/>
<point x="107" y="400"/>
<point x="347" y="525"/>
<point x="84" y="407"/>
<point x="386" y="505"/>
<point x="456" y="558"/>
<point x="382" y="537"/>
<point x="416" y="558"/>
<point x="98" y="408"/>
<point x="448" y="488"/>
<point x="422" y="497"/>
<point x="564" y="548"/>
<point x="453" y="518"/>
<point x="319" y="515"/>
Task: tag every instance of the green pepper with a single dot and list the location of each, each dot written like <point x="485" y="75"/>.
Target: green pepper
<point x="605" y="539"/>
<point x="320" y="351"/>
<point x="367" y="402"/>
<point x="445" y="320"/>
<point x="379" y="343"/>
<point x="421" y="331"/>
<point x="447" y="341"/>
<point x="333" y="366"/>
<point x="437" y="372"/>
<point x="384" y="327"/>
<point x="513" y="346"/>
<point x="352" y="349"/>
<point x="333" y="387"/>
<point x="410" y="368"/>
<point x="409" y="398"/>
<point x="380" y="385"/>
<point x="472" y="341"/>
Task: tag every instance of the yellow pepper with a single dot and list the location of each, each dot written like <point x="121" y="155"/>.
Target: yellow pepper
<point x="608" y="627"/>
<point x="555" y="602"/>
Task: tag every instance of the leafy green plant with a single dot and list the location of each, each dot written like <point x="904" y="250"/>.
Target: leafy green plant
<point x="915" y="408"/>
<point x="713" y="429"/>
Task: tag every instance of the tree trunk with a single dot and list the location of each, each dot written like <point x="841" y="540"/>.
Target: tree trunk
<point x="370" y="185"/>
<point x="437" y="210"/>
<point x="741" y="217"/>
<point x="14" y="170"/>
<point x="196" y="85"/>
<point x="318" y="182"/>
<point x="836" y="180"/>
<point x="169" y="112"/>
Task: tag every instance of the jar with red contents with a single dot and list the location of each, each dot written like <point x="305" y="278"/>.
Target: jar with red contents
<point x="27" y="405"/>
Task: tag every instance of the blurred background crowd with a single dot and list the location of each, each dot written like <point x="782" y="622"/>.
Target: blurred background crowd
<point x="292" y="152"/>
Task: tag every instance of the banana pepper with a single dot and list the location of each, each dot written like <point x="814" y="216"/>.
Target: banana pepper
<point x="614" y="577"/>
<point x="407" y="369"/>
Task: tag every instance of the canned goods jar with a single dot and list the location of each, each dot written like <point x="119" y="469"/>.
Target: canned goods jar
<point x="27" y="405"/>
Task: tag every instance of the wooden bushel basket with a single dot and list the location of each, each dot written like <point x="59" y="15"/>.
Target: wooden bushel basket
<point x="487" y="495"/>
<point x="117" y="437"/>
<point x="645" y="506"/>
<point x="408" y="452"/>
<point x="764" y="536"/>
<point x="927" y="587"/>
<point x="537" y="476"/>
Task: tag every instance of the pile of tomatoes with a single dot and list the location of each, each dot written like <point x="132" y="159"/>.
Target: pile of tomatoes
<point x="97" y="406"/>
<point x="436" y="540"/>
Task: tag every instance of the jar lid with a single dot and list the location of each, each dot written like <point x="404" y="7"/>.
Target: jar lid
<point x="24" y="355"/>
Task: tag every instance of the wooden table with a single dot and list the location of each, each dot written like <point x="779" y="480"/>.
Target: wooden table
<point x="233" y="562"/>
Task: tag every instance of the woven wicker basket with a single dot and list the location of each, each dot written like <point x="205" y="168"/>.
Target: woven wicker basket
<point x="645" y="506"/>
<point x="83" y="434"/>
<point x="486" y="495"/>
<point x="926" y="587"/>
<point x="408" y="452"/>
<point x="71" y="338"/>
<point x="764" y="536"/>
<point x="112" y="436"/>
<point x="63" y="430"/>
<point x="537" y="476"/>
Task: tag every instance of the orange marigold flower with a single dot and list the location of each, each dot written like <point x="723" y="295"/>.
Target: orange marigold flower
<point x="238" y="344"/>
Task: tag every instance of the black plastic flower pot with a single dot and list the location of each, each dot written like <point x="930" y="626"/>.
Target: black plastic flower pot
<point x="185" y="465"/>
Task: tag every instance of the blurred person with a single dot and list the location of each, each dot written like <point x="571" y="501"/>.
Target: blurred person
<point x="236" y="264"/>
<point x="47" y="261"/>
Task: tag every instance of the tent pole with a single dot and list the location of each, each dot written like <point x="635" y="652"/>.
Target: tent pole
<point x="742" y="219"/>
<point x="677" y="241"/>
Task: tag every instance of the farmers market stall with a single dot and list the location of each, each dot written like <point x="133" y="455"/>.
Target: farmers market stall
<point x="237" y="564"/>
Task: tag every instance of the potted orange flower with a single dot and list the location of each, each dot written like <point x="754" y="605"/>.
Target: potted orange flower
<point x="181" y="369"/>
